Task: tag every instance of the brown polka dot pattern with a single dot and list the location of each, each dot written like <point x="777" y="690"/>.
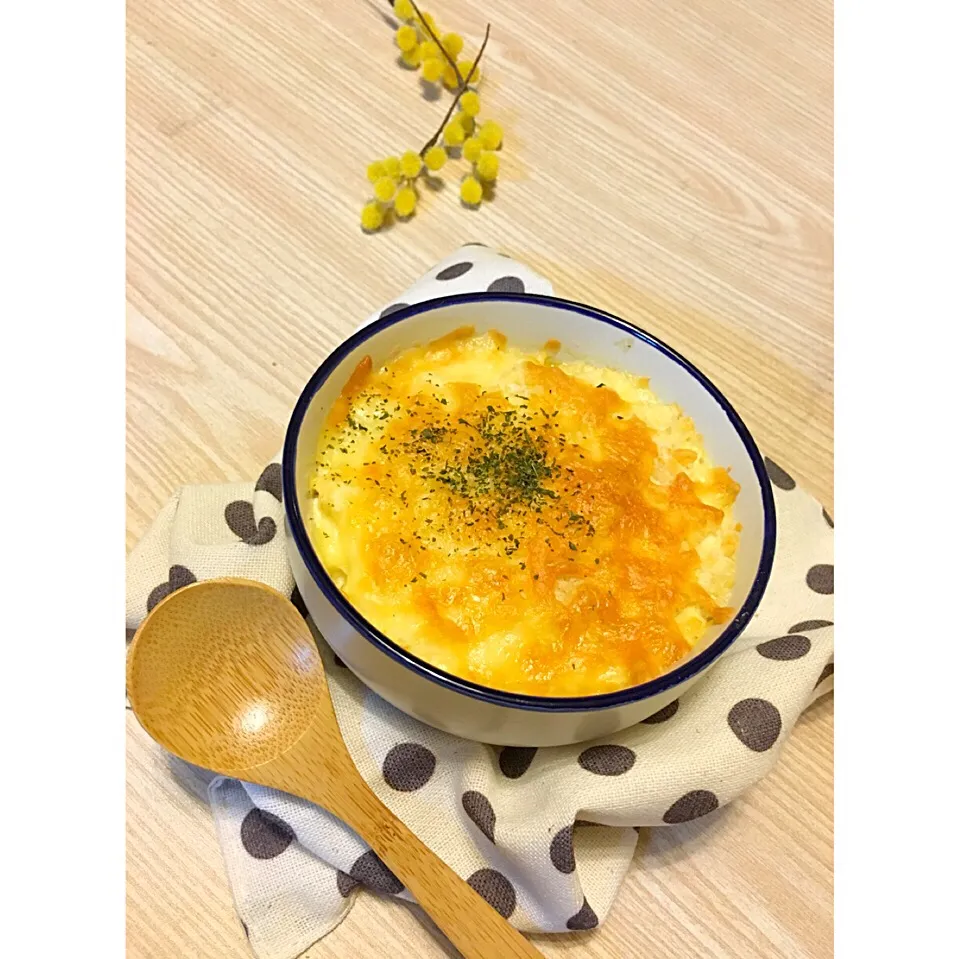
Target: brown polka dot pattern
<point x="778" y="476"/>
<point x="370" y="870"/>
<point x="297" y="600"/>
<point x="515" y="760"/>
<point x="827" y="518"/>
<point x="756" y="723"/>
<point x="178" y="576"/>
<point x="265" y="836"/>
<point x="792" y="646"/>
<point x="507" y="284"/>
<point x="667" y="712"/>
<point x="692" y="805"/>
<point x="393" y="308"/>
<point x="607" y="760"/>
<point x="819" y="579"/>
<point x="454" y="271"/>
<point x="345" y="883"/>
<point x="584" y="919"/>
<point x="408" y="767"/>
<point x="826" y="673"/>
<point x="496" y="889"/>
<point x="561" y="850"/>
<point x="808" y="624"/>
<point x="271" y="481"/>
<point x="241" y="519"/>
<point x="480" y="811"/>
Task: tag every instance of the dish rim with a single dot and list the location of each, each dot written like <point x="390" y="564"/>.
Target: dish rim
<point x="685" y="671"/>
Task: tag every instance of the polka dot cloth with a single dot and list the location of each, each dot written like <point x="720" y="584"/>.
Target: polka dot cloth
<point x="545" y="835"/>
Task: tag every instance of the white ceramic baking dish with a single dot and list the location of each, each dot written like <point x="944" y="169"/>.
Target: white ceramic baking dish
<point x="457" y="705"/>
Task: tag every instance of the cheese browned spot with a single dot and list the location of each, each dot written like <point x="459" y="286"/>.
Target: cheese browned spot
<point x="533" y="525"/>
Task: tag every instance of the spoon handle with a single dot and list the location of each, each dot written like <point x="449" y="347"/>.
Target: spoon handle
<point x="476" y="929"/>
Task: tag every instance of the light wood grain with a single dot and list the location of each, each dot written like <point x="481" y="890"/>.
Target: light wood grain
<point x="670" y="162"/>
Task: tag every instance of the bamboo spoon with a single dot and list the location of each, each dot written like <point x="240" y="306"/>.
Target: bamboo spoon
<point x="226" y="675"/>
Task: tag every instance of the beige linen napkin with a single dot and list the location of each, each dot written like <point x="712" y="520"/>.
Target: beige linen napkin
<point x="509" y="820"/>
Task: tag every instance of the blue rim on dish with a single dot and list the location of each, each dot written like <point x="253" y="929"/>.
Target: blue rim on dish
<point x="297" y="528"/>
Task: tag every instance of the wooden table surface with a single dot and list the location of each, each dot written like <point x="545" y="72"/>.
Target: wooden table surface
<point x="668" y="161"/>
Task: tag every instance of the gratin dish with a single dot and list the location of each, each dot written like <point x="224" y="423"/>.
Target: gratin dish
<point x="458" y="705"/>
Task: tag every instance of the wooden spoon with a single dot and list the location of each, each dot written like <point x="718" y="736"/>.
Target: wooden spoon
<point x="226" y="675"/>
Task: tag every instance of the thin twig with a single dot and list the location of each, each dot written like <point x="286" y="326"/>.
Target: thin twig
<point x="436" y="40"/>
<point x="432" y="140"/>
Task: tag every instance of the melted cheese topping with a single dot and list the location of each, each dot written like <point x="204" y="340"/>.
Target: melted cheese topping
<point x="534" y="526"/>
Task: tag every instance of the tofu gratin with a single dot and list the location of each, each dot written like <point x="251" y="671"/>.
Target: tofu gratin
<point x="542" y="527"/>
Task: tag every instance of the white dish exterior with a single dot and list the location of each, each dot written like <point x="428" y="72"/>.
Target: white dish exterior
<point x="457" y="705"/>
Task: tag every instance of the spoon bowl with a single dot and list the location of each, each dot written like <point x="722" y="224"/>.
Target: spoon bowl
<point x="228" y="677"/>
